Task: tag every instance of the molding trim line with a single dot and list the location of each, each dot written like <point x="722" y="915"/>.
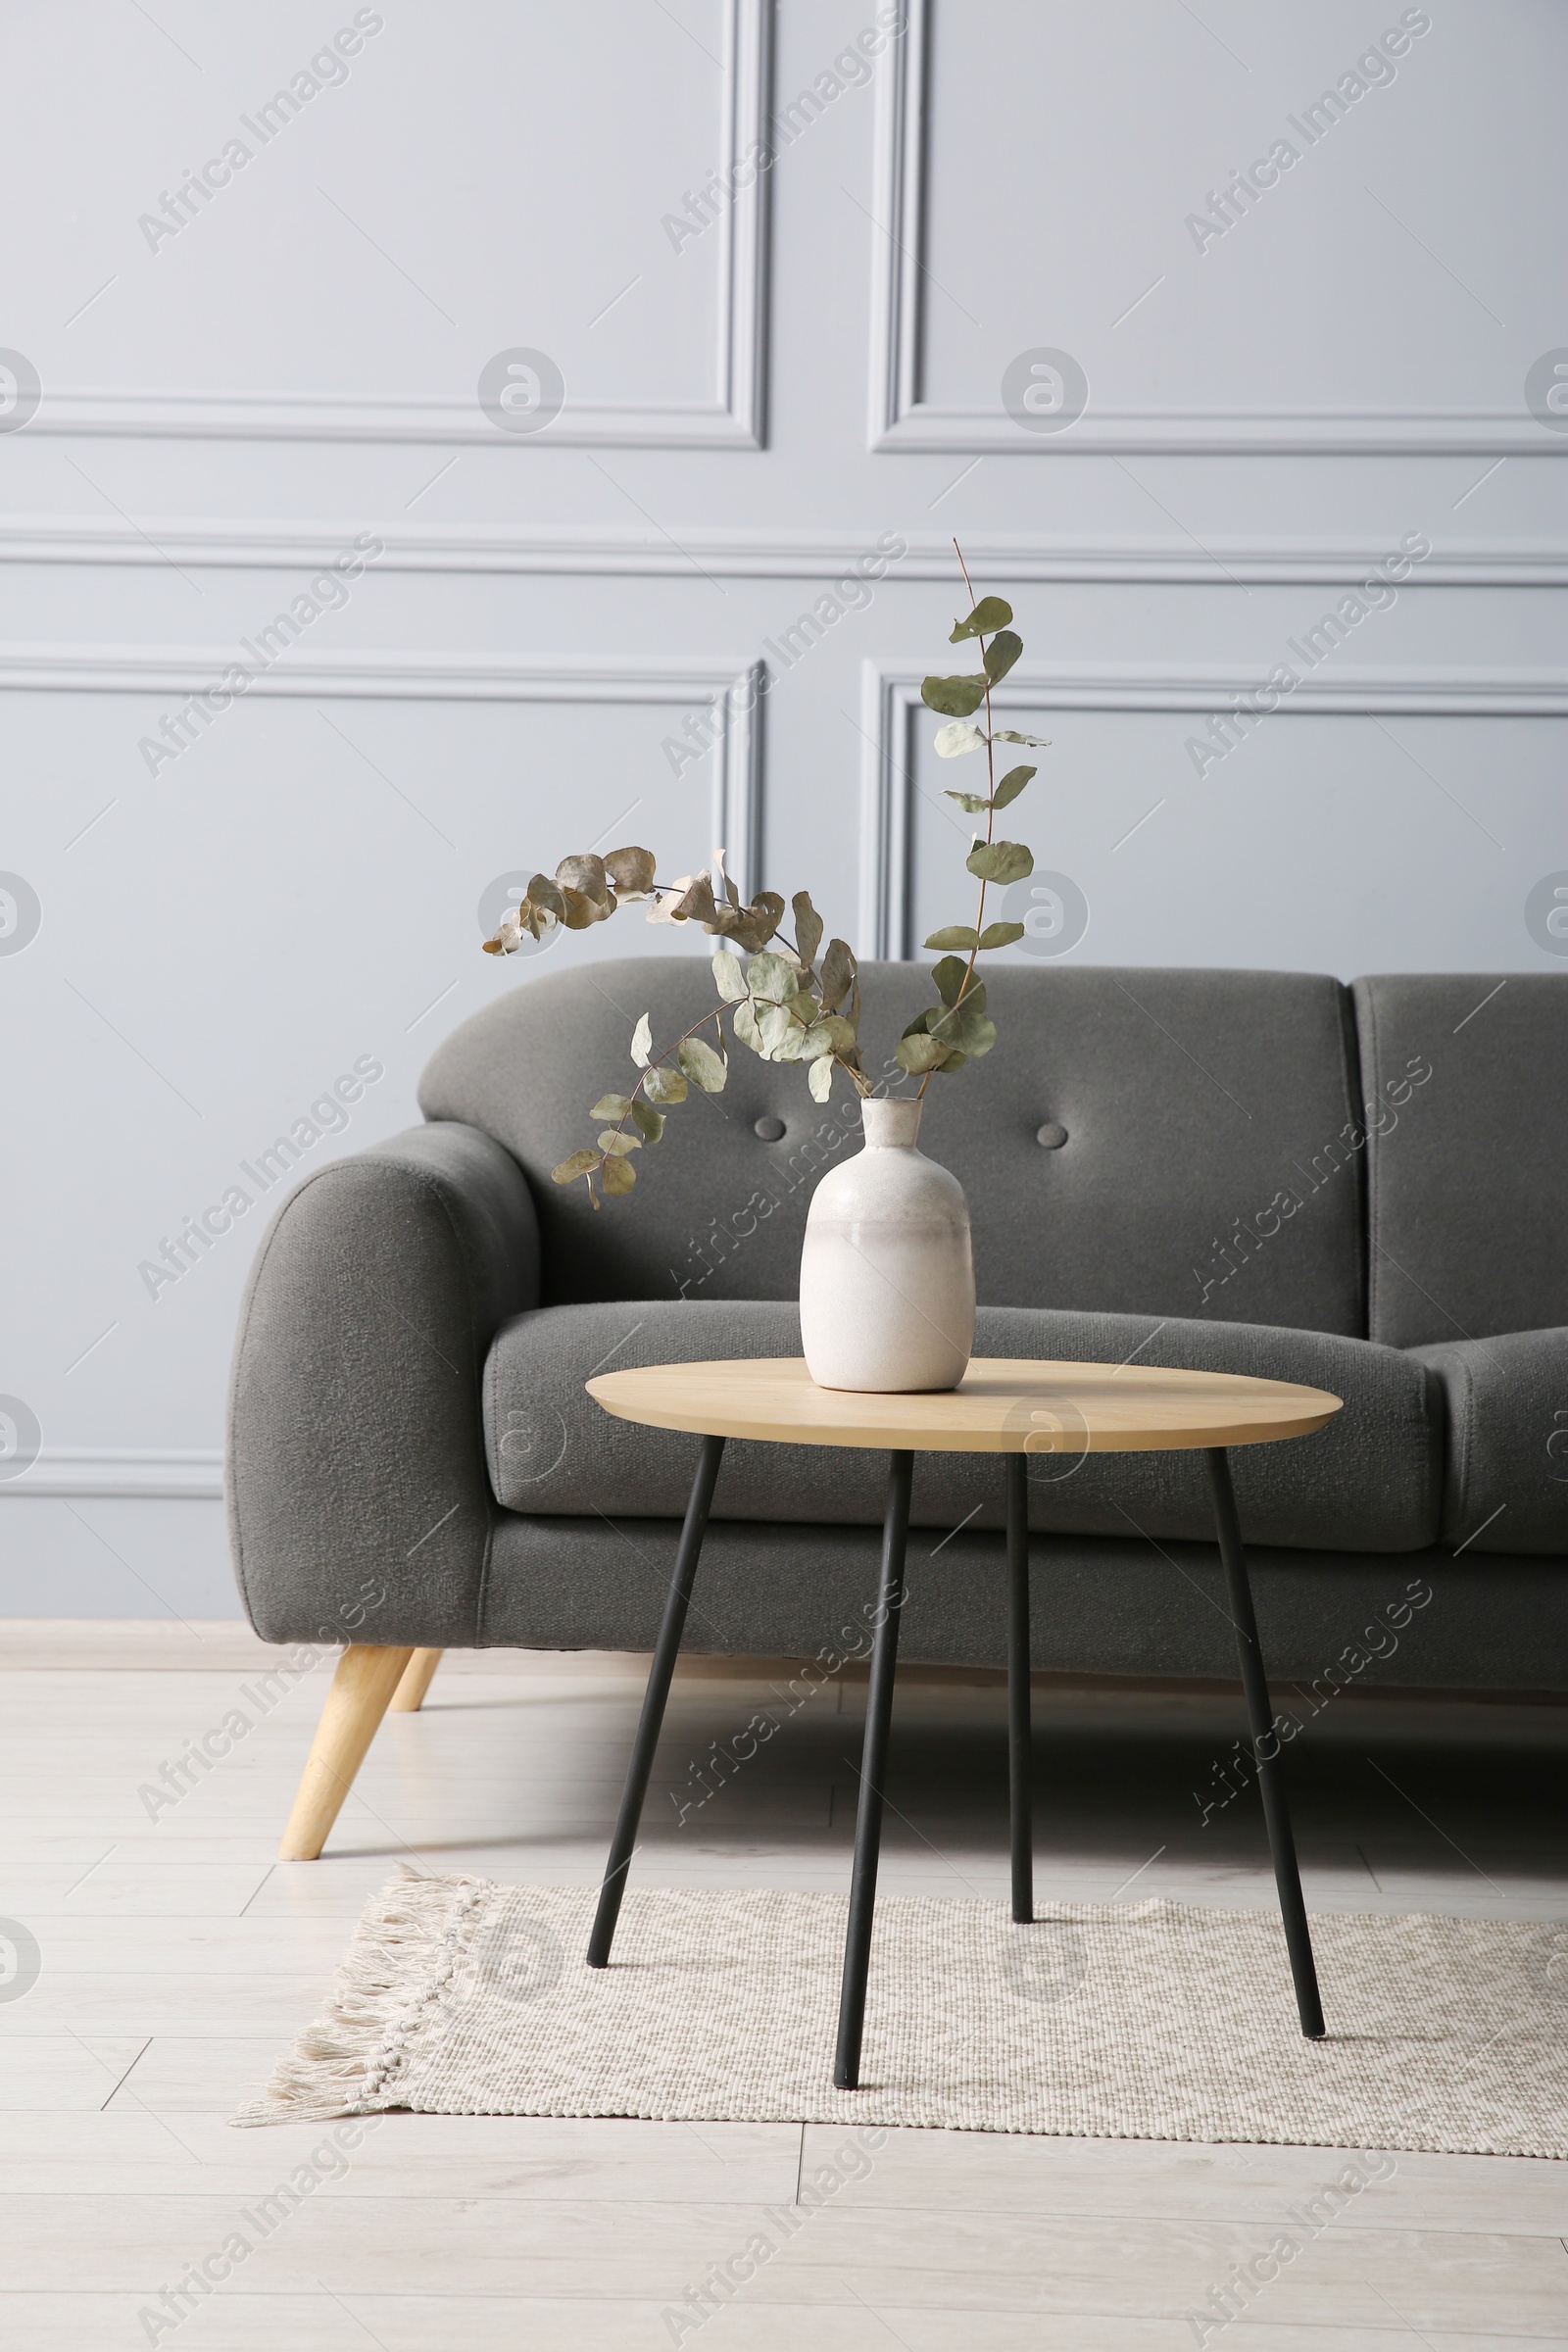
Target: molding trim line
<point x="735" y="419"/>
<point x="890" y="698"/>
<point x="733" y="700"/>
<point x="901" y="420"/>
<point x="249" y="546"/>
<point x="65" y="1472"/>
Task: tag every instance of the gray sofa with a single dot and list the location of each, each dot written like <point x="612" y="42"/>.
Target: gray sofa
<point x="1360" y="1188"/>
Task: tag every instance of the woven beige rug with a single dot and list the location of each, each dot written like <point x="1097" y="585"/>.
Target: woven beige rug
<point x="1147" y="2021"/>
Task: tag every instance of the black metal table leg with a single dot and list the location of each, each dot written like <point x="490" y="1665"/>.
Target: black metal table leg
<point x="655" y="1698"/>
<point x="1265" y="1747"/>
<point x="1020" y="1796"/>
<point x="873" y="1766"/>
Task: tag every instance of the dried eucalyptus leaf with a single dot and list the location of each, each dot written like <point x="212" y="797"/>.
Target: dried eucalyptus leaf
<point x="585" y="874"/>
<point x="952" y="935"/>
<point x="966" y="1029"/>
<point x="665" y="1085"/>
<point x="695" y="905"/>
<point x="1041" y="743"/>
<point x="702" y="1065"/>
<point x="581" y="912"/>
<point x="1000" y="655"/>
<point x="543" y="894"/>
<point x="651" y="1122"/>
<point x="767" y="912"/>
<point x="838" y="970"/>
<point x="955" y="698"/>
<point x="954" y="1061"/>
<point x="749" y="927"/>
<point x="808" y="927"/>
<point x="577" y="1165"/>
<point x="917" y="1054"/>
<point x="948" y="977"/>
<point x="819" y="1078"/>
<point x="642" y="1043"/>
<point x="780" y="1031"/>
<point x="631" y="870"/>
<point x="611" y="1107"/>
<point x="804" y="1006"/>
<point x="618" y="1145"/>
<point x="999" y="935"/>
<point x="1013" y="783"/>
<point x="728" y="977"/>
<point x="973" y="803"/>
<point x="951" y="742"/>
<point x="991" y="612"/>
<point x="618" y="1176"/>
<point x="668" y="898"/>
<point x="747" y="1032"/>
<point x="508" y="935"/>
<point x="769" y="978"/>
<point x="1000" y="860"/>
<point x="839" y="1032"/>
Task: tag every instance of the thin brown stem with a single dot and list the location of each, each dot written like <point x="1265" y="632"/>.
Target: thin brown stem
<point x="991" y="815"/>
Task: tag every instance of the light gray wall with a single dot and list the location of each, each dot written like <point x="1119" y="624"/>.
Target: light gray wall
<point x="1275" y="404"/>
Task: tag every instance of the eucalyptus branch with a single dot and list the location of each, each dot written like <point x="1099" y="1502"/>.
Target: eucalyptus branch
<point x="990" y="814"/>
<point x="784" y="1006"/>
<point x="952" y="1032"/>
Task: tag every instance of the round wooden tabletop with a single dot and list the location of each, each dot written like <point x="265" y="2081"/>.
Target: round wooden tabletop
<point x="1004" y="1405"/>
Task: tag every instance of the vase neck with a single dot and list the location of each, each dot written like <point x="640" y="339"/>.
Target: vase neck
<point x="891" y="1124"/>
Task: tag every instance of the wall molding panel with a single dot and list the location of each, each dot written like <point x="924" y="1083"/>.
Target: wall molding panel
<point x="900" y="419"/>
<point x="242" y="545"/>
<point x="890" y="699"/>
<point x="124" y="1473"/>
<point x="735" y="418"/>
<point x="733" y="699"/>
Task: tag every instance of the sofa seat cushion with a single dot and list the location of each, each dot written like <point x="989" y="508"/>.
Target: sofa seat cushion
<point x="1507" y="1441"/>
<point x="1371" y="1481"/>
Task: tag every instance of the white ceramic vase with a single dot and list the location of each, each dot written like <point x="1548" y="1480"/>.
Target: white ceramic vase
<point x="887" y="1278"/>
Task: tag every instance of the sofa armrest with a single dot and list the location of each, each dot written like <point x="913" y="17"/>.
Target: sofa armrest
<point x="358" y="1504"/>
<point x="1505" y="1487"/>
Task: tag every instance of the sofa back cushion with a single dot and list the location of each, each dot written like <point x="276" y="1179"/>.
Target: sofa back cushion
<point x="1467" y="1233"/>
<point x="1211" y="1166"/>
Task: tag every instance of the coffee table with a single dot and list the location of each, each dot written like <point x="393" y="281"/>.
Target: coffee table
<point x="1007" y="1407"/>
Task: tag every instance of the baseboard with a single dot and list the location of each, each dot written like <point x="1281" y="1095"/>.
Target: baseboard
<point x="141" y="1644"/>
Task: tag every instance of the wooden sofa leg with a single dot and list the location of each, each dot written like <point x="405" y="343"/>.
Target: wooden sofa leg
<point x="409" y="1697"/>
<point x="362" y="1690"/>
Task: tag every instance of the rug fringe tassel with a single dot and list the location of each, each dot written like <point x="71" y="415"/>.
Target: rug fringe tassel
<point x="400" y="1957"/>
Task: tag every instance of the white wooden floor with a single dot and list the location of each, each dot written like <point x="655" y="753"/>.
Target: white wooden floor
<point x="178" y="1960"/>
